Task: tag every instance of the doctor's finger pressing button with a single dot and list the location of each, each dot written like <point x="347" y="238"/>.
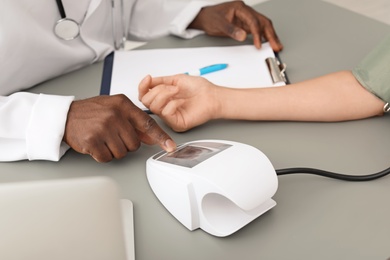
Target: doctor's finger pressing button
<point x="108" y="127"/>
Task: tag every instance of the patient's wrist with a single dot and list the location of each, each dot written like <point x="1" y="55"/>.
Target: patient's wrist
<point x="222" y="106"/>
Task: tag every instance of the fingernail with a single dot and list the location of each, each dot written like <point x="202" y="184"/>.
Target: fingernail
<point x="170" y="145"/>
<point x="239" y="35"/>
<point x="94" y="158"/>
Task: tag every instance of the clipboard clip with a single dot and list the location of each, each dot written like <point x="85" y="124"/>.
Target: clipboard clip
<point x="276" y="69"/>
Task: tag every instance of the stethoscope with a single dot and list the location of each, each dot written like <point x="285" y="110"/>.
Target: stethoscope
<point x="69" y="29"/>
<point x="66" y="28"/>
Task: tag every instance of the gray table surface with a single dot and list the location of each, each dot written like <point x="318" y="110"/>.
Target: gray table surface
<point x="316" y="217"/>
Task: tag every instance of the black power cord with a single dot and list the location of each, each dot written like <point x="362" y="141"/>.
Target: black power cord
<point x="334" y="175"/>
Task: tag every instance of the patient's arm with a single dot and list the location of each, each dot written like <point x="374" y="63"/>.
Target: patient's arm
<point x="184" y="102"/>
<point x="333" y="97"/>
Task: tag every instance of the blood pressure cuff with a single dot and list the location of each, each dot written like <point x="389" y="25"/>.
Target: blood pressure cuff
<point x="373" y="72"/>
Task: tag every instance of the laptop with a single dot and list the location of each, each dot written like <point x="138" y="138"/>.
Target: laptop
<point x="78" y="219"/>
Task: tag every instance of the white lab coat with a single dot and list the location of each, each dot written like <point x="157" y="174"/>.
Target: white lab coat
<point x="32" y="125"/>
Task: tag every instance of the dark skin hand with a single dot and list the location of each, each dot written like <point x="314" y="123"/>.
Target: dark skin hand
<point x="236" y="20"/>
<point x="108" y="127"/>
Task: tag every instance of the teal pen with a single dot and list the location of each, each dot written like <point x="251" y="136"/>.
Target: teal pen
<point x="208" y="69"/>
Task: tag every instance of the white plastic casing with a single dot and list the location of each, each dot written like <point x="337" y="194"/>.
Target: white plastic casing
<point x="220" y="192"/>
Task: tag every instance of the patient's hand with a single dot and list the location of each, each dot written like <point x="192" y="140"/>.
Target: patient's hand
<point x="182" y="101"/>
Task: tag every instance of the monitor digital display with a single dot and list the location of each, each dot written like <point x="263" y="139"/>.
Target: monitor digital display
<point x="192" y="154"/>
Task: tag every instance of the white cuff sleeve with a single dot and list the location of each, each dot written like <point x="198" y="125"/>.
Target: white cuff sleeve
<point x="46" y="128"/>
<point x="179" y="25"/>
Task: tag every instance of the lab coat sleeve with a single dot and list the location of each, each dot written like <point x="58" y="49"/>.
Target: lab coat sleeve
<point x="179" y="24"/>
<point x="32" y="126"/>
<point x="157" y="18"/>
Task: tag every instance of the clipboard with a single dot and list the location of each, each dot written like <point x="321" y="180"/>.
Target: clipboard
<point x="248" y="67"/>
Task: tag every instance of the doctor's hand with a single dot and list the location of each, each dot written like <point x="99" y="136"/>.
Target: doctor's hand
<point x="182" y="101"/>
<point x="235" y="19"/>
<point x="108" y="127"/>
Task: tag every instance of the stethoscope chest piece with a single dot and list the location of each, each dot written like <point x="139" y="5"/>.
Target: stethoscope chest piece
<point x="67" y="29"/>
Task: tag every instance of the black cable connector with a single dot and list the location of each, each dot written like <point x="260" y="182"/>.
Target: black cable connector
<point x="333" y="175"/>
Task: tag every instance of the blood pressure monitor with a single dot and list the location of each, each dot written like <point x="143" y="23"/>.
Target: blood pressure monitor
<point x="218" y="186"/>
